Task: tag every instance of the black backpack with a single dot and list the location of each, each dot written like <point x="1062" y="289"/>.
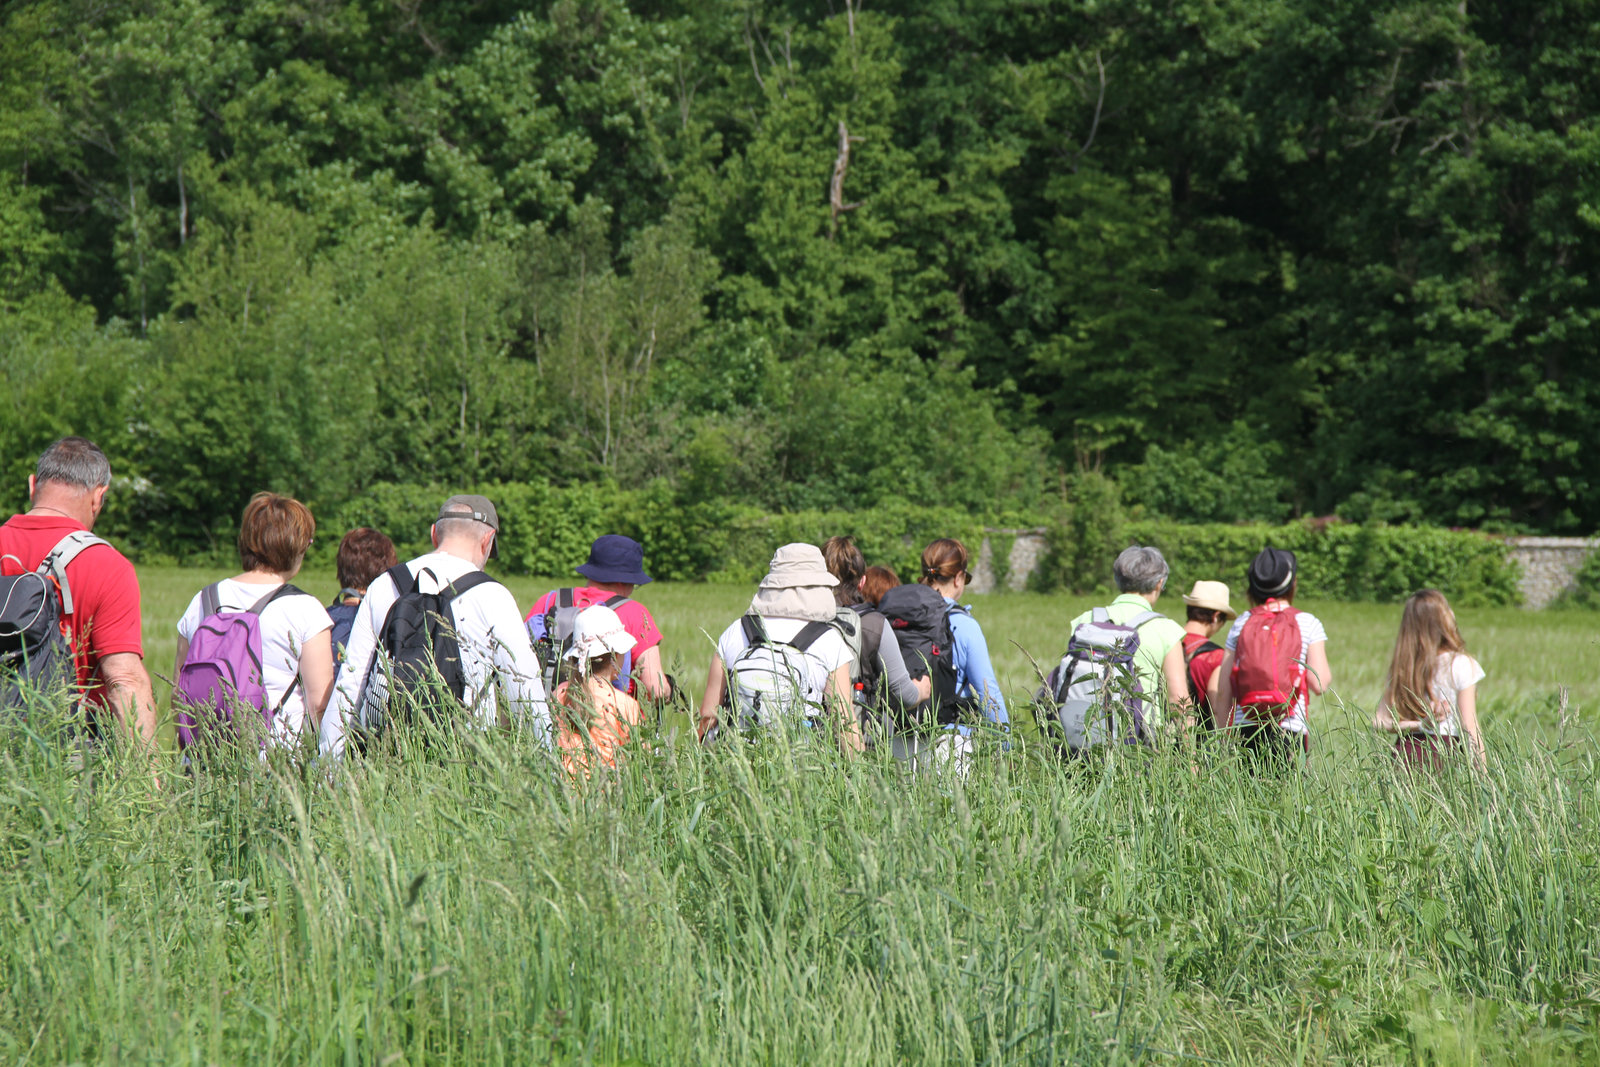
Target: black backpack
<point x="35" y="651"/>
<point x="560" y="619"/>
<point x="424" y="655"/>
<point x="920" y="619"/>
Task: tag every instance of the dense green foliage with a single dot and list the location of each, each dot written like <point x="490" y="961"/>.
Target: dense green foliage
<point x="771" y="905"/>
<point x="1259" y="258"/>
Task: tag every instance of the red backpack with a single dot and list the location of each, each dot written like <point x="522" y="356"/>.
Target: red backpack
<point x="1268" y="676"/>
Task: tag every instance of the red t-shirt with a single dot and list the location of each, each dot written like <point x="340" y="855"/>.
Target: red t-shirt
<point x="1203" y="666"/>
<point x="105" y="592"/>
<point x="635" y="616"/>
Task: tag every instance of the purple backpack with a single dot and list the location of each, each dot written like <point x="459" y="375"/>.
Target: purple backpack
<point x="223" y="668"/>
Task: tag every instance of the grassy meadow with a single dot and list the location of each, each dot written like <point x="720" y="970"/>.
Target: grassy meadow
<point x="774" y="904"/>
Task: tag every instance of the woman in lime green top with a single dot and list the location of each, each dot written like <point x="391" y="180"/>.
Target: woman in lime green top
<point x="1141" y="574"/>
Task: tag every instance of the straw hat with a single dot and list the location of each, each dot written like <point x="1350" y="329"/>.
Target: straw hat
<point x="1213" y="596"/>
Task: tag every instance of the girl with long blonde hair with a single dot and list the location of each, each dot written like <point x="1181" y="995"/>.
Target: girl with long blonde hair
<point x="1431" y="696"/>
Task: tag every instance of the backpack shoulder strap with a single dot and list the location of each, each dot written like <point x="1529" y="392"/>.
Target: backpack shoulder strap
<point x="1099" y="615"/>
<point x="565" y="598"/>
<point x="754" y="632"/>
<point x="617" y="601"/>
<point x="465" y="583"/>
<point x="1143" y="617"/>
<point x="66" y="550"/>
<point x="210" y="600"/>
<point x="404" y="581"/>
<point x="808" y="635"/>
<point x="958" y="609"/>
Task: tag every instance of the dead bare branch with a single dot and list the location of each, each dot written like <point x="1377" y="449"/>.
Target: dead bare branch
<point x="841" y="163"/>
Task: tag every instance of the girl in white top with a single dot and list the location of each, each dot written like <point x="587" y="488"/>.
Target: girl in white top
<point x="1431" y="696"/>
<point x="296" y="641"/>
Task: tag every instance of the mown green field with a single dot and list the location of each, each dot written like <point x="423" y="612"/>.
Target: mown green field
<point x="777" y="905"/>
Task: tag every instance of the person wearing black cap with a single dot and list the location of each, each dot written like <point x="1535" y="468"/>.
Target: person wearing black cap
<point x="1274" y="578"/>
<point x="615" y="569"/>
<point x="495" y="651"/>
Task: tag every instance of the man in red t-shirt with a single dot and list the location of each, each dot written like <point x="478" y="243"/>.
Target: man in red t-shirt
<point x="68" y="489"/>
<point x="616" y="568"/>
<point x="1208" y="612"/>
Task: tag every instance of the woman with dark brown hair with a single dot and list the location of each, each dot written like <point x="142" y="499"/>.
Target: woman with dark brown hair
<point x="1431" y="696"/>
<point x="364" y="553"/>
<point x="881" y="681"/>
<point x="944" y="569"/>
<point x="296" y="668"/>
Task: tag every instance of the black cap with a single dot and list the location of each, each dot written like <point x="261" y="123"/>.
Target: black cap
<point x="1272" y="573"/>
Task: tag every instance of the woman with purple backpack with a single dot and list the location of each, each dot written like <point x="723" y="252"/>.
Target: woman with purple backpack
<point x="254" y="645"/>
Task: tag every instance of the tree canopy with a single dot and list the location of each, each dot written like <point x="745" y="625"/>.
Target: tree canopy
<point x="1251" y="258"/>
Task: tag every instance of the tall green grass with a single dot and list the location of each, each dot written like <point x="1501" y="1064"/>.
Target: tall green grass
<point x="777" y="904"/>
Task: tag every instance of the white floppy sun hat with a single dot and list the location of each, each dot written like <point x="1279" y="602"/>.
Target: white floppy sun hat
<point x="596" y="631"/>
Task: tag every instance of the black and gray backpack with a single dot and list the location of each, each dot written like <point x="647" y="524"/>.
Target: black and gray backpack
<point x="920" y="620"/>
<point x="1093" y="696"/>
<point x="560" y="620"/>
<point x="417" y="670"/>
<point x="35" y="649"/>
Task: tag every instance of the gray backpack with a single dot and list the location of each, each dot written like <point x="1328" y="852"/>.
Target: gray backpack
<point x="1093" y="696"/>
<point x="35" y="651"/>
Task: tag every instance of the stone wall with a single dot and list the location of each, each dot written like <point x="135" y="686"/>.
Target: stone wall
<point x="1023" y="551"/>
<point x="1550" y="565"/>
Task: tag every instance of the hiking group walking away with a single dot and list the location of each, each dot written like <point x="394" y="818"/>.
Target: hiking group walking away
<point x="830" y="650"/>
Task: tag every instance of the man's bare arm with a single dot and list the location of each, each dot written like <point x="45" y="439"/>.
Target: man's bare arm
<point x="129" y="694"/>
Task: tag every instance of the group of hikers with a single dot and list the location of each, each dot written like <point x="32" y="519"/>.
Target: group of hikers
<point x="829" y="647"/>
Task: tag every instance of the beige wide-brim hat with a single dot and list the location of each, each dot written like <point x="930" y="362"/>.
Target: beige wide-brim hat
<point x="796" y="566"/>
<point x="1213" y="596"/>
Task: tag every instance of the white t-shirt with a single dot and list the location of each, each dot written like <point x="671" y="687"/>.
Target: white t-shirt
<point x="494" y="650"/>
<point x="825" y="655"/>
<point x="1456" y="671"/>
<point x="1311" y="631"/>
<point x="286" y="625"/>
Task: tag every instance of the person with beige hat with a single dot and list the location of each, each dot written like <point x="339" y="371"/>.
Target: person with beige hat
<point x="785" y="662"/>
<point x="1208" y="611"/>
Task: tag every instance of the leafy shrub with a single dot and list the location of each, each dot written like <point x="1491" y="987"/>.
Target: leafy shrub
<point x="1585" y="591"/>
<point x="1085" y="535"/>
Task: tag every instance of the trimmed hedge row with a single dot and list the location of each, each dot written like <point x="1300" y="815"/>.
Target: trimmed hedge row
<point x="546" y="530"/>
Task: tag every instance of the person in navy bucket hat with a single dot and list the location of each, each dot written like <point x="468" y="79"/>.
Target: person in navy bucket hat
<point x="615" y="568"/>
<point x="615" y="558"/>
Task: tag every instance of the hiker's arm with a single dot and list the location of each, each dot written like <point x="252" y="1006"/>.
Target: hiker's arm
<point x="716" y="685"/>
<point x="129" y="695"/>
<point x="1319" y="676"/>
<point x="1467" y="711"/>
<point x="841" y="698"/>
<point x="898" y="685"/>
<point x="647" y="668"/>
<point x="1175" y="672"/>
<point x="1220" y="693"/>
<point x="316" y="675"/>
<point x="974" y="650"/>
<point x="181" y="658"/>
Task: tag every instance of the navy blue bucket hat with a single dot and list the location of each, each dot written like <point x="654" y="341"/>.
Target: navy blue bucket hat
<point x="615" y="558"/>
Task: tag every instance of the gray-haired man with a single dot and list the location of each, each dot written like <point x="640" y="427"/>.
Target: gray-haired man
<point x="1141" y="575"/>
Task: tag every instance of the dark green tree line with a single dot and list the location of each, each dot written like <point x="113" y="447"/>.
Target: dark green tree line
<point x="1252" y="259"/>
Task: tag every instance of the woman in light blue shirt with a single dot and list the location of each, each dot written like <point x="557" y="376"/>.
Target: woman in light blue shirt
<point x="944" y="569"/>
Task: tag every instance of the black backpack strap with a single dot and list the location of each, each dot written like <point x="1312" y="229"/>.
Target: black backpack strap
<point x="566" y="598"/>
<point x="754" y="632"/>
<point x="210" y="600"/>
<point x="404" y="581"/>
<point x="617" y="601"/>
<point x="808" y="635"/>
<point x="463" y="584"/>
<point x="1200" y="649"/>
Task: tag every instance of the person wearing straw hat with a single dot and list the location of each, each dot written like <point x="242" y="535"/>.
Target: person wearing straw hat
<point x="1208" y="611"/>
<point x="785" y="663"/>
<point x="592" y="715"/>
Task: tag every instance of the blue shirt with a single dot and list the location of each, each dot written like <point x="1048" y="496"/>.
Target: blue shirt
<point x="974" y="672"/>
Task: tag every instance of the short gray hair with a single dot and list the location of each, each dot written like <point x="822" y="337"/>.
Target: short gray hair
<point x="1140" y="569"/>
<point x="447" y="526"/>
<point x="75" y="461"/>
